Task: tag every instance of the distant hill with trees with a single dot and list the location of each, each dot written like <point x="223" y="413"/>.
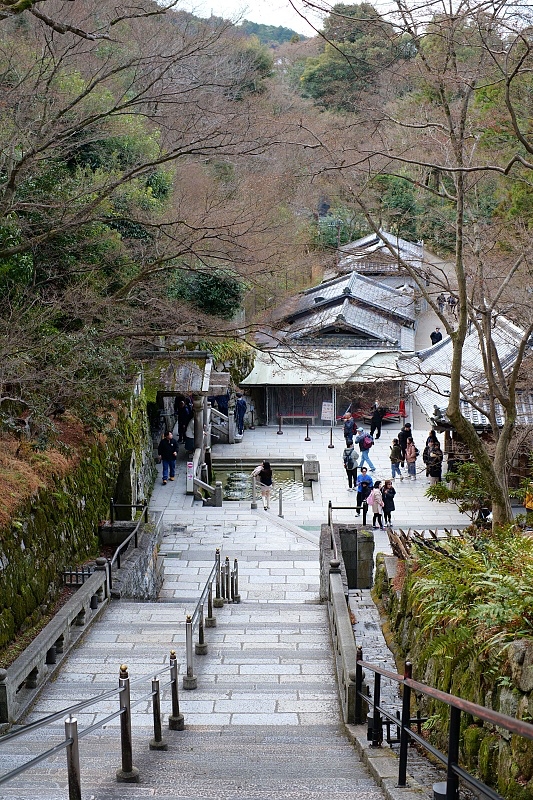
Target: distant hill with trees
<point x="269" y="34"/>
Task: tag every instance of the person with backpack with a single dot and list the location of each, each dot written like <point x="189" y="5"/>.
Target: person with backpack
<point x="375" y="500"/>
<point x="364" y="487"/>
<point x="349" y="427"/>
<point x="365" y="442"/>
<point x="350" y="465"/>
<point x="404" y="434"/>
<point x="377" y="418"/>
<point x="395" y="459"/>
<point x="411" y="454"/>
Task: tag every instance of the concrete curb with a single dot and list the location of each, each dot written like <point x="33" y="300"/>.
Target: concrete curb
<point x="382" y="764"/>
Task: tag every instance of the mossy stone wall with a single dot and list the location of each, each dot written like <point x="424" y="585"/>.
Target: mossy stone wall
<point x="58" y="526"/>
<point x="502" y="761"/>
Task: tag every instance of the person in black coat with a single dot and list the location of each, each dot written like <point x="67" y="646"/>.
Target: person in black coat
<point x="434" y="466"/>
<point x="168" y="451"/>
<point x="388" y="493"/>
<point x="403" y="436"/>
<point x="375" y="421"/>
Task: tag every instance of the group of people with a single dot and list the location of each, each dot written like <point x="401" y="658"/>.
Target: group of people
<point x="371" y="495"/>
<point x="403" y="454"/>
<point x="449" y="302"/>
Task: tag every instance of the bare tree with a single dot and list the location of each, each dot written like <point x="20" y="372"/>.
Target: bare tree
<point x="458" y="133"/>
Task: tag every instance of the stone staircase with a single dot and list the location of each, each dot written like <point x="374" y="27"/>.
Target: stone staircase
<point x="265" y="720"/>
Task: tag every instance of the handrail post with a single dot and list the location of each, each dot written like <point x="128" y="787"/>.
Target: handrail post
<point x="128" y="773"/>
<point x="452" y="781"/>
<point x="253" y="504"/>
<point x="210" y="620"/>
<point x="190" y="680"/>
<point x="359" y="677"/>
<point x="218" y="601"/>
<point x="280" y="502"/>
<point x="111" y="510"/>
<point x="157" y="743"/>
<point x="146" y="512"/>
<point x="330" y="515"/>
<point x="377" y="725"/>
<point x="201" y="645"/>
<point x="236" y="595"/>
<point x="73" y="759"/>
<point x="227" y="590"/>
<point x="406" y="723"/>
<point x="176" y="721"/>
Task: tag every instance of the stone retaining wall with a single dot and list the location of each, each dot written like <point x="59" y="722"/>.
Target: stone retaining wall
<point x="500" y="760"/>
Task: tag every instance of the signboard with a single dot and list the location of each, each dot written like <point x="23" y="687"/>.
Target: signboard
<point x="327" y="412"/>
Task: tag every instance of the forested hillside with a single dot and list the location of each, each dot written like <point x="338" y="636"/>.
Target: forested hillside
<point x="160" y="172"/>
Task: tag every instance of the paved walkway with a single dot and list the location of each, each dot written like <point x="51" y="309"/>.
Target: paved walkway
<point x="264" y="721"/>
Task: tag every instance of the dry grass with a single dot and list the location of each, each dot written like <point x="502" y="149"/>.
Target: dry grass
<point x="24" y="470"/>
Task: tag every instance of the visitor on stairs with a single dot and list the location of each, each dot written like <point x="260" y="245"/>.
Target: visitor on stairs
<point x="168" y="452"/>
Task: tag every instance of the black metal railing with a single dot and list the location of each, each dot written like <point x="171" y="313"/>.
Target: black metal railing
<point x="139" y="506"/>
<point x="457" y="706"/>
<point x="123" y="546"/>
<point x="127" y="772"/>
<point x="226" y="582"/>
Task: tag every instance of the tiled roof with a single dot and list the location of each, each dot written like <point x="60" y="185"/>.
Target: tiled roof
<point x="369" y="292"/>
<point x="428" y="374"/>
<point x="351" y="316"/>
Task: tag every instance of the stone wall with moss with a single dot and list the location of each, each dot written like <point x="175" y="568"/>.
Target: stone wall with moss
<point x="58" y="526"/>
<point x="500" y="760"/>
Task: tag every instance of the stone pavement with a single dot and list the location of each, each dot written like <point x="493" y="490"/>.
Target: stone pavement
<point x="265" y="719"/>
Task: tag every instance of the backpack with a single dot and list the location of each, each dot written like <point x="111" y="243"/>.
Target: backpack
<point x="367" y="442"/>
<point x="417" y="452"/>
<point x="350" y="461"/>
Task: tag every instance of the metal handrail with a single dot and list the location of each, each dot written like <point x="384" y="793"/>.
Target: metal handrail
<point x="457" y="706"/>
<point x="128" y="772"/>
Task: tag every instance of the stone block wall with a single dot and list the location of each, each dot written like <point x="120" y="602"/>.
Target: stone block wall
<point x="501" y="760"/>
<point x="58" y="526"/>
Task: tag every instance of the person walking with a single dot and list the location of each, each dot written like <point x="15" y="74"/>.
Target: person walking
<point x="350" y="465"/>
<point x="375" y="501"/>
<point x="365" y="442"/>
<point x="430" y="442"/>
<point x="349" y="427"/>
<point x="168" y="452"/>
<point x="441" y="302"/>
<point x="435" y="336"/>
<point x="388" y="501"/>
<point x="434" y="467"/>
<point x="364" y="485"/>
<point x="240" y="411"/>
<point x="183" y="415"/>
<point x="375" y="421"/>
<point x="264" y="473"/>
<point x="404" y="434"/>
<point x="395" y="459"/>
<point x="411" y="454"/>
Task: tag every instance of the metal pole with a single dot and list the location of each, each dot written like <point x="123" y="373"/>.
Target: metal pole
<point x="307" y="437"/>
<point x="145" y="512"/>
<point x="452" y="781"/>
<point x="218" y="602"/>
<point x="189" y="680"/>
<point x="128" y="773"/>
<point x="228" y="583"/>
<point x="111" y="510"/>
<point x="377" y="728"/>
<point x="176" y="720"/>
<point x="236" y="597"/>
<point x="210" y="620"/>
<point x="279" y="431"/>
<point x="406" y="722"/>
<point x="280" y="503"/>
<point x="201" y="646"/>
<point x="359" y="688"/>
<point x="331" y="445"/>
<point x="254" y="493"/>
<point x="157" y="743"/>
<point x="73" y="759"/>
